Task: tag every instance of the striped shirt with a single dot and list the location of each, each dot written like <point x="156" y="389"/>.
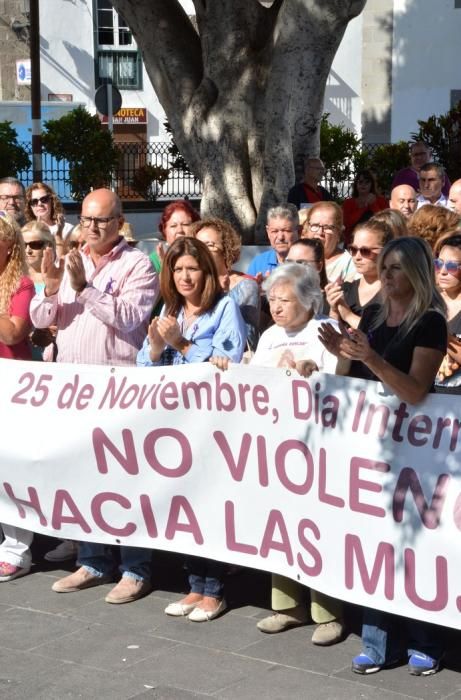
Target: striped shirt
<point x="107" y="322"/>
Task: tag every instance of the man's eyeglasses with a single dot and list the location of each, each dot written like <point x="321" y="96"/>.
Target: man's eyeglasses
<point x="15" y="197"/>
<point x="99" y="221"/>
<point x="40" y="200"/>
<point x="451" y="266"/>
<point x="324" y="228"/>
<point x="35" y="245"/>
<point x="363" y="250"/>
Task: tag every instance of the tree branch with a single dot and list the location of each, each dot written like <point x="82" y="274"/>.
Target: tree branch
<point x="172" y="55"/>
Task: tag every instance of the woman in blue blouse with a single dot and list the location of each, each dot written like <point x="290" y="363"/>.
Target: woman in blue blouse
<point x="197" y="322"/>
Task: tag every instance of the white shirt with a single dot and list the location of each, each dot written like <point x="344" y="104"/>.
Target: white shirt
<point x="441" y="202"/>
<point x="277" y="347"/>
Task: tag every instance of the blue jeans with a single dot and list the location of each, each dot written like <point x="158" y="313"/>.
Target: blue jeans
<point x="387" y="638"/>
<point x="205" y="576"/>
<point x="99" y="560"/>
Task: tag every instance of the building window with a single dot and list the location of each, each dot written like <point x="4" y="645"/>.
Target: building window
<point x="457" y="4"/>
<point x="124" y="68"/>
<point x="118" y="58"/>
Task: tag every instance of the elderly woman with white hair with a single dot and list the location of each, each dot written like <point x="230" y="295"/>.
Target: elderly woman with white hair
<point x="295" y="299"/>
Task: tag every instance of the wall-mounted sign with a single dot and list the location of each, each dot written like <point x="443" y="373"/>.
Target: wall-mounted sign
<point x="60" y="97"/>
<point x="23" y="74"/>
<point x="129" y="115"/>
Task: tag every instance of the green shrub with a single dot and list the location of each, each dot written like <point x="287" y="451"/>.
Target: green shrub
<point x="148" y="179"/>
<point x="443" y="135"/>
<point x="13" y="157"/>
<point x="341" y="152"/>
<point x="80" y="138"/>
<point x="386" y="160"/>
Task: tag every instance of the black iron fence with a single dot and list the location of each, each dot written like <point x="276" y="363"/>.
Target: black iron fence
<point x="173" y="182"/>
<point x="133" y="158"/>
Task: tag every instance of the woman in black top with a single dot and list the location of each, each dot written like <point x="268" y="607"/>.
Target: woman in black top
<point x="400" y="343"/>
<point x="348" y="299"/>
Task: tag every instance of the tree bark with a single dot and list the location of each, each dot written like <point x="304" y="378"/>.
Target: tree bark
<point x="244" y="95"/>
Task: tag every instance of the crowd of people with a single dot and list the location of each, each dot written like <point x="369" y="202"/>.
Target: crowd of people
<point x="369" y="289"/>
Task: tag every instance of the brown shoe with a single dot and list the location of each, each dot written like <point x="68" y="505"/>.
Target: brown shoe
<point x="127" y="590"/>
<point x="78" y="581"/>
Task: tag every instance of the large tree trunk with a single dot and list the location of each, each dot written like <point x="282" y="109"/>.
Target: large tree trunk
<point x="244" y="95"/>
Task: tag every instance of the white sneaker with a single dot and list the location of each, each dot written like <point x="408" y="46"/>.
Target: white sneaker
<point x="65" y="551"/>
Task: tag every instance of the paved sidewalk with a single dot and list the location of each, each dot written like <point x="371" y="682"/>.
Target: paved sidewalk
<point x="58" y="646"/>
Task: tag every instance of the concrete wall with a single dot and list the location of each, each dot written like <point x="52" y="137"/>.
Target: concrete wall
<point x="376" y="89"/>
<point x="425" y="64"/>
<point x="13" y="47"/>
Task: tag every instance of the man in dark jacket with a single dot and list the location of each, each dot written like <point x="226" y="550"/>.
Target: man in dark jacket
<point x="309" y="191"/>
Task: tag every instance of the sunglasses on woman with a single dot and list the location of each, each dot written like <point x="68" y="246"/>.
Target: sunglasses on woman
<point x="40" y="200"/>
<point x="363" y="250"/>
<point x="35" y="245"/>
<point x="451" y="266"/>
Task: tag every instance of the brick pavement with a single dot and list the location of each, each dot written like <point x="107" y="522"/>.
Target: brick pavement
<point x="57" y="646"/>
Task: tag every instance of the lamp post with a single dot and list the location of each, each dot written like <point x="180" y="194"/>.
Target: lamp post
<point x="36" y="109"/>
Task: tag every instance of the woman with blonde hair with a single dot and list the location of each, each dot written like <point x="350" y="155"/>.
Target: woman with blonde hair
<point x="400" y="343"/>
<point x="16" y="292"/>
<point x="37" y="237"/>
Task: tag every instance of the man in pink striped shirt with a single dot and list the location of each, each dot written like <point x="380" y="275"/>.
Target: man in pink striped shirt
<point x="100" y="299"/>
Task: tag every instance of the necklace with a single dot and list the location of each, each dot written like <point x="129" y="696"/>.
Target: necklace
<point x="187" y="319"/>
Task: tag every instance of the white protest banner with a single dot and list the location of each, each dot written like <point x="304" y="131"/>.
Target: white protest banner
<point x="329" y="481"/>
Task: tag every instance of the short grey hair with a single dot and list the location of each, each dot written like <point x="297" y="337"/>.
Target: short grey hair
<point x="284" y="211"/>
<point x="13" y="181"/>
<point x="304" y="280"/>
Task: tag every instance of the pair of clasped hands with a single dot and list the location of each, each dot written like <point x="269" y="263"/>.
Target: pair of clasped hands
<point x="335" y="295"/>
<point x="164" y="330"/>
<point x="52" y="273"/>
<point x="349" y="343"/>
